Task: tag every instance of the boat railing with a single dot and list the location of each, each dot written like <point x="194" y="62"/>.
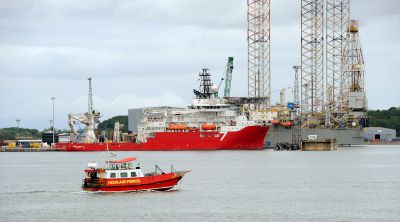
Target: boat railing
<point x="158" y="170"/>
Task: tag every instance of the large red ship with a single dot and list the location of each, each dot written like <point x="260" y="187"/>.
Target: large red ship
<point x="248" y="138"/>
<point x="209" y="123"/>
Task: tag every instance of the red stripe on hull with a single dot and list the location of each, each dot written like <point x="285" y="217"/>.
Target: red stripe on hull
<point x="248" y="138"/>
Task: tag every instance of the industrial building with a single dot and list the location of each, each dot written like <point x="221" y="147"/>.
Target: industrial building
<point x="379" y="134"/>
<point x="134" y="117"/>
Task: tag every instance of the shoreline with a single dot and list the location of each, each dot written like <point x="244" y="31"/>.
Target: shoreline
<point x="49" y="149"/>
<point x="18" y="149"/>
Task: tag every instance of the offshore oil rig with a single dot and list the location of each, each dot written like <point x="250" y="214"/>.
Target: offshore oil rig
<point x="329" y="100"/>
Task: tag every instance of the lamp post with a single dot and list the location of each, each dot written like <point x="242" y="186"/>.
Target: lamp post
<point x="53" y="98"/>
<point x="18" y="120"/>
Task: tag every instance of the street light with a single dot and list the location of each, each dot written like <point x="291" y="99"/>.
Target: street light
<point x="53" y="98"/>
<point x="18" y="120"/>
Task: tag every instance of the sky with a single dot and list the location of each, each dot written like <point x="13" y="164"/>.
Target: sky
<point x="149" y="53"/>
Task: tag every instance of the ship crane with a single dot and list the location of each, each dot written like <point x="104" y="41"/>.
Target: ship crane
<point x="228" y="77"/>
<point x="89" y="119"/>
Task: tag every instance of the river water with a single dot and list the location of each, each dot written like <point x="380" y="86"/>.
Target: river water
<point x="349" y="184"/>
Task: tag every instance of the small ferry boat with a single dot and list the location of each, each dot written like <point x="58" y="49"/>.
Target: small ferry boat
<point x="122" y="175"/>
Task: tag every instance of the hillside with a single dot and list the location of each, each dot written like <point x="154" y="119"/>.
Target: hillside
<point x="108" y="125"/>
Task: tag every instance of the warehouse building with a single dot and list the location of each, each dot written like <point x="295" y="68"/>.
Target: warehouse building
<point x="379" y="134"/>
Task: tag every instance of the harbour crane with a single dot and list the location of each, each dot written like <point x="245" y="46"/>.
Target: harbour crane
<point x="89" y="119"/>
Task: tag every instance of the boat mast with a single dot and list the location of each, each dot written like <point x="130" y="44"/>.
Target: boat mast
<point x="108" y="157"/>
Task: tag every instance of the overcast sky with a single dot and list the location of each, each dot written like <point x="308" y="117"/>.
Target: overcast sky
<point x="148" y="53"/>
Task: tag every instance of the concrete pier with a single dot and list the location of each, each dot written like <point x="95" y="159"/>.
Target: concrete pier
<point x="318" y="145"/>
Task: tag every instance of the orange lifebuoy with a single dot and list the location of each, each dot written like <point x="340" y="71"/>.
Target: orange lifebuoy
<point x="208" y="126"/>
<point x="177" y="127"/>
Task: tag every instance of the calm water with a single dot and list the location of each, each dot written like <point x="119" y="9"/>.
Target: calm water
<point x="357" y="184"/>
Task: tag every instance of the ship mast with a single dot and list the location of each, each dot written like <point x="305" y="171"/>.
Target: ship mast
<point x="206" y="89"/>
<point x="90" y="96"/>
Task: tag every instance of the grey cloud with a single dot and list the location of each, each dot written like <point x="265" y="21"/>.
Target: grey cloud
<point x="144" y="49"/>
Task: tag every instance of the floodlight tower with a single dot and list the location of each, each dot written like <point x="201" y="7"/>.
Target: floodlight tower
<point x="259" y="41"/>
<point x="296" y="95"/>
<point x="337" y="49"/>
<point x="312" y="60"/>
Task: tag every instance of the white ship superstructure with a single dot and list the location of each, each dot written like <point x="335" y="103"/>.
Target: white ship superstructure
<point x="206" y="112"/>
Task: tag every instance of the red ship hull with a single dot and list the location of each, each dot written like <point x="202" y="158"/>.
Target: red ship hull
<point x="158" y="182"/>
<point x="248" y="138"/>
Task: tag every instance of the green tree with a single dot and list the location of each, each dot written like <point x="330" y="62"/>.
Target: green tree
<point x="12" y="133"/>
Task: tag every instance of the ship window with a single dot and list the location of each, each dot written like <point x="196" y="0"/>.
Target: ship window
<point x="124" y="174"/>
<point x="133" y="174"/>
<point x="113" y="175"/>
<point x="216" y="135"/>
<point x="202" y="135"/>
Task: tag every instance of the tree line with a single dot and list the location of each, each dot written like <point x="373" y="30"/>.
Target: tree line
<point x="385" y="118"/>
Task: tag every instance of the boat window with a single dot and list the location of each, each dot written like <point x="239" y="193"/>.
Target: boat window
<point x="216" y="135"/>
<point x="123" y="174"/>
<point x="202" y="135"/>
<point x="113" y="175"/>
<point x="133" y="174"/>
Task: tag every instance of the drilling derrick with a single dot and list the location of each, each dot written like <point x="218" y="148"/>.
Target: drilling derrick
<point x="337" y="39"/>
<point x="357" y="98"/>
<point x="258" y="39"/>
<point x="356" y="59"/>
<point x="312" y="61"/>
